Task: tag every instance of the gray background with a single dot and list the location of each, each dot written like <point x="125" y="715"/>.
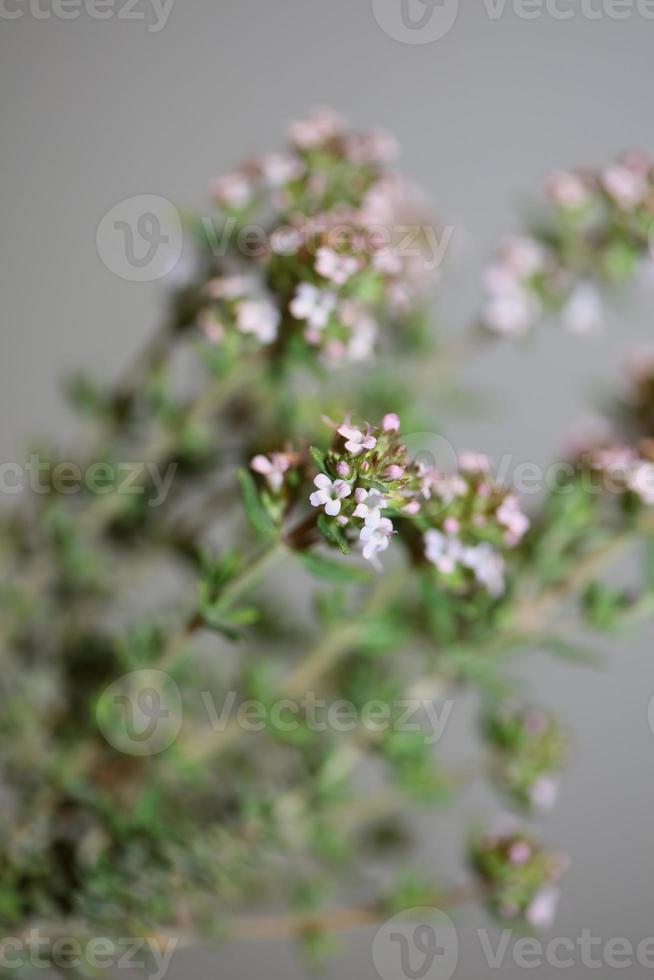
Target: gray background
<point x="96" y="111"/>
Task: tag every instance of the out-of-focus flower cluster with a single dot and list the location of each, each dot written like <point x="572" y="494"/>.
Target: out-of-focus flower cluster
<point x="462" y="524"/>
<point x="597" y="230"/>
<point x="530" y="751"/>
<point x="520" y="877"/>
<point x="619" y="461"/>
<point x="470" y="522"/>
<point x="344" y="242"/>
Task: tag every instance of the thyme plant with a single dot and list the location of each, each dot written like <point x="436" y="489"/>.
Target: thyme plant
<point x="204" y="653"/>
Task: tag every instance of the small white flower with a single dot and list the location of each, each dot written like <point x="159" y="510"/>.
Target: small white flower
<point x="568" y="190"/>
<point x="361" y="344"/>
<point x="641" y="481"/>
<point x="369" y="503"/>
<point x="258" y="317"/>
<point x="511" y="313"/>
<point x="443" y="551"/>
<point x="273" y="467"/>
<point x="233" y="190"/>
<point x="375" y="537"/>
<point x="357" y="441"/>
<point x="543" y="793"/>
<point x="335" y="267"/>
<point x="488" y="567"/>
<point x="329" y="494"/>
<point x="522" y="255"/>
<point x="541" y="911"/>
<point x="626" y="186"/>
<point x="280" y="168"/>
<point x="582" y="312"/>
<point x="321" y="126"/>
<point x="312" y="304"/>
<point x="211" y="326"/>
<point x="512" y="518"/>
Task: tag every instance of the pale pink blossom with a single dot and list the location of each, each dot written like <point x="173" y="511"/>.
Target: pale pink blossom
<point x="321" y="126"/>
<point x="541" y="911"/>
<point x="511" y="313"/>
<point x="391" y="422"/>
<point x="512" y="518"/>
<point x="627" y="187"/>
<point x="335" y="267"/>
<point x="369" y="503"/>
<point x="329" y="494"/>
<point x="471" y="462"/>
<point x="543" y="793"/>
<point x="232" y="190"/>
<point x="582" y="312"/>
<point x="641" y="481"/>
<point x="273" y="467"/>
<point x="375" y="537"/>
<point x="357" y="441"/>
<point x="375" y="146"/>
<point x="519" y="852"/>
<point x="313" y="305"/>
<point x="522" y="255"/>
<point x="211" y="326"/>
<point x="280" y="168"/>
<point x="259" y="318"/>
<point x="443" y="551"/>
<point x="566" y="189"/>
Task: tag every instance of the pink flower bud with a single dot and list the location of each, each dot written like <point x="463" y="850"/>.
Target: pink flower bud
<point x="391" y="422"/>
<point x="413" y="507"/>
<point x="342" y="468"/>
<point x="394" y="472"/>
<point x="451" y="525"/>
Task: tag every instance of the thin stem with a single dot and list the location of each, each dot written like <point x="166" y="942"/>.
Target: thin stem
<point x="235" y="589"/>
<point x="321" y="659"/>
<point x="336" y="920"/>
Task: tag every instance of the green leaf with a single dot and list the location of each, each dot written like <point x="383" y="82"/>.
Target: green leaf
<point x="258" y="517"/>
<point x="574" y="653"/>
<point x="333" y="533"/>
<point x="319" y="458"/>
<point x="332" y="569"/>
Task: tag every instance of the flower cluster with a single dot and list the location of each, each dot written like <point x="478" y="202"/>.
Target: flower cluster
<point x="470" y="522"/>
<point x="530" y="752"/>
<point x="520" y="878"/>
<point x="232" y="304"/>
<point x="596" y="231"/>
<point x="364" y="477"/>
<point x="622" y="471"/>
<point x="462" y="524"/>
<point x="345" y="239"/>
